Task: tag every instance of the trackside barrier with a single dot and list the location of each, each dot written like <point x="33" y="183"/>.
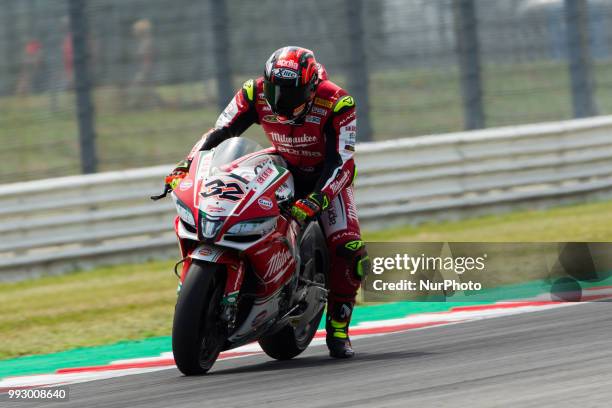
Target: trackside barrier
<point x="62" y="224"/>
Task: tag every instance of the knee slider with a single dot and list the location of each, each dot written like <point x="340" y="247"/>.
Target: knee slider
<point x="357" y="256"/>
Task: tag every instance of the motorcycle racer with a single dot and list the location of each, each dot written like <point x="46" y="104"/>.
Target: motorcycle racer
<point x="311" y="122"/>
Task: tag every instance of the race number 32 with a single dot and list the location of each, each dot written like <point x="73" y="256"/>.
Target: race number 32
<point x="224" y="191"/>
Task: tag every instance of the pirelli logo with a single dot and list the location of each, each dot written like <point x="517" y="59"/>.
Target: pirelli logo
<point x="322" y="102"/>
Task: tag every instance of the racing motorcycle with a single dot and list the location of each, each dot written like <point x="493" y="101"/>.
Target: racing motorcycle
<point x="250" y="272"/>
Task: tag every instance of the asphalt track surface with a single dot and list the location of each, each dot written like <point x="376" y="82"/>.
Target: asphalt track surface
<point x="555" y="358"/>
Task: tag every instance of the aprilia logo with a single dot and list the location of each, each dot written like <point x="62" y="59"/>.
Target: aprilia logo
<point x="264" y="175"/>
<point x="287" y="64"/>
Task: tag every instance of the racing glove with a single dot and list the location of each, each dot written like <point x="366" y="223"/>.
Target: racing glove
<point x="306" y="208"/>
<point x="180" y="171"/>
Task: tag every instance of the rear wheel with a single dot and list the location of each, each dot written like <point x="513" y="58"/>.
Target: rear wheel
<point x="197" y="335"/>
<point x="287" y="343"/>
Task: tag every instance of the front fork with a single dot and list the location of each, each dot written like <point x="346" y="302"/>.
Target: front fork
<point x="235" y="265"/>
<point x="235" y="268"/>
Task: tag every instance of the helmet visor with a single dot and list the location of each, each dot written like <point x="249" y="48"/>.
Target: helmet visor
<point x="286" y="100"/>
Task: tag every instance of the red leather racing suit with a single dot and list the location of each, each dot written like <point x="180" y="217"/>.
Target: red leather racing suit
<point x="319" y="152"/>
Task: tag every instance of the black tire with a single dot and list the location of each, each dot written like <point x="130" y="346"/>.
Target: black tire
<point x="284" y="344"/>
<point x="197" y="338"/>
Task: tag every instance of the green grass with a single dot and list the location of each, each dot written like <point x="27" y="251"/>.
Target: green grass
<point x="575" y="223"/>
<point x="86" y="308"/>
<point x="136" y="301"/>
<point x="39" y="138"/>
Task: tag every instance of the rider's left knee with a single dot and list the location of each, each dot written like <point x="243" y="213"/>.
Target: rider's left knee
<point x="356" y="254"/>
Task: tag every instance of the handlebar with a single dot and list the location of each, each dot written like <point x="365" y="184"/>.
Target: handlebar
<point x="167" y="189"/>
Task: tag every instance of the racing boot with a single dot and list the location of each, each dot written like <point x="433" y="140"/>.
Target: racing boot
<point x="337" y="327"/>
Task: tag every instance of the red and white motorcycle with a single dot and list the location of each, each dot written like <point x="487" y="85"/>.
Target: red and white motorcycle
<point x="250" y="272"/>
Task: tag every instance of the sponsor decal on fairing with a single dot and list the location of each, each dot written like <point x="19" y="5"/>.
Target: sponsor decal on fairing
<point x="278" y="263"/>
<point x="186" y="184"/>
<point x="207" y="253"/>
<point x="265" y="203"/>
<point x="265" y="174"/>
<point x="214" y="209"/>
<point x="284" y="192"/>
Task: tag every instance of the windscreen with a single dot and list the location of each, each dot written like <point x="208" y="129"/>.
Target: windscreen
<point x="231" y="149"/>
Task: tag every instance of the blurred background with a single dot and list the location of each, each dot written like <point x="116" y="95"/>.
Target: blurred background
<point x="150" y="76"/>
<point x="88" y="86"/>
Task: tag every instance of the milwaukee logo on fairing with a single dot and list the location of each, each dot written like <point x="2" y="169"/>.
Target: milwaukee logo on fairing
<point x="278" y="263"/>
<point x="303" y="140"/>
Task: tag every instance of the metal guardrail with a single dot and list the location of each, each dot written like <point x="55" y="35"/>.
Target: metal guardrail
<point x="57" y="225"/>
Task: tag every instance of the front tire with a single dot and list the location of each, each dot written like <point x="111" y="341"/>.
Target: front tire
<point x="197" y="338"/>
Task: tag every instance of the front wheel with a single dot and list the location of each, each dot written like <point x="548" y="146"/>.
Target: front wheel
<point x="197" y="336"/>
